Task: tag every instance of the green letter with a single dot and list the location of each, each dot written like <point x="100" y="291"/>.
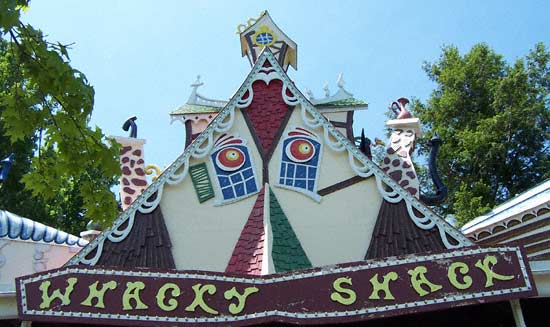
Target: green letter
<point x="237" y="308"/>
<point x="463" y="269"/>
<point x="65" y="298"/>
<point x="98" y="294"/>
<point x="161" y="294"/>
<point x="132" y="292"/>
<point x="199" y="301"/>
<point x="337" y="297"/>
<point x="418" y="278"/>
<point x="489" y="273"/>
<point x="382" y="286"/>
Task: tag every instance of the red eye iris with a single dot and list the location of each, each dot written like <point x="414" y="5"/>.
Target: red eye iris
<point x="300" y="150"/>
<point x="230" y="159"/>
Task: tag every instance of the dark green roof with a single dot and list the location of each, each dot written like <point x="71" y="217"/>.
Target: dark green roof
<point x="352" y="102"/>
<point x="195" y="109"/>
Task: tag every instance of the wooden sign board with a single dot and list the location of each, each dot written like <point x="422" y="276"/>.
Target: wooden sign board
<point x="343" y="293"/>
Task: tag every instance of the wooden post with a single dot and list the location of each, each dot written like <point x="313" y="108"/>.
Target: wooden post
<point x="518" y="314"/>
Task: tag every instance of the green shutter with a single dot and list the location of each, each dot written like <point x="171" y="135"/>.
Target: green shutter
<point x="201" y="182"/>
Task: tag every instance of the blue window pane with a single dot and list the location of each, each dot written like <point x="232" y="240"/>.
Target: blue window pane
<point x="311" y="172"/>
<point x="236" y="178"/>
<point x="283" y="170"/>
<point x="288" y="181"/>
<point x="300" y="183"/>
<point x="281" y="181"/>
<point x="315" y="160"/>
<point x="239" y="189"/>
<point x="248" y="173"/>
<point x="264" y="38"/>
<point x="228" y="193"/>
<point x="310" y="185"/>
<point x="290" y="170"/>
<point x="300" y="171"/>
<point x="224" y="181"/>
<point x="251" y="186"/>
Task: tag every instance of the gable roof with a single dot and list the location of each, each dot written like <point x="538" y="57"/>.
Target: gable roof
<point x="267" y="68"/>
<point x="523" y="220"/>
<point x="526" y="201"/>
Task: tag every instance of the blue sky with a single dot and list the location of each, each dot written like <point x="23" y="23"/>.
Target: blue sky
<point x="141" y="56"/>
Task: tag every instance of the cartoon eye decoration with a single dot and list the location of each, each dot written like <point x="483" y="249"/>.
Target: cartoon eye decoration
<point x="234" y="170"/>
<point x="300" y="150"/>
<point x="230" y="159"/>
<point x="300" y="162"/>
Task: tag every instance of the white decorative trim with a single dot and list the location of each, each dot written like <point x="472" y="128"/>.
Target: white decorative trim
<point x="475" y="233"/>
<point x="265" y="74"/>
<point x="222" y="123"/>
<point x="195" y="118"/>
<point x="243" y="103"/>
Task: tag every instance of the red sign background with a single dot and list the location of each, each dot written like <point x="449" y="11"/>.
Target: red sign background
<point x="305" y="297"/>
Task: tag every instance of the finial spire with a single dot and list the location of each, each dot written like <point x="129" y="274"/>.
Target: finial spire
<point x="340" y="82"/>
<point x="309" y="94"/>
<point x="197" y="83"/>
<point x="326" y="89"/>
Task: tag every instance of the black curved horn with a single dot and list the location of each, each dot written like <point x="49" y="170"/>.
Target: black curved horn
<point x="441" y="189"/>
<point x="364" y="145"/>
<point x="130" y="124"/>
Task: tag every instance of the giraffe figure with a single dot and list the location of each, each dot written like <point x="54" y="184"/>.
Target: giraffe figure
<point x="397" y="162"/>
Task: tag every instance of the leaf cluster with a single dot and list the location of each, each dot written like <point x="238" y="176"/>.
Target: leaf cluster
<point x="494" y="120"/>
<point x="49" y="103"/>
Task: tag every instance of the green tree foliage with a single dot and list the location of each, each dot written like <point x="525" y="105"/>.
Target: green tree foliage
<point x="66" y="166"/>
<point x="494" y="120"/>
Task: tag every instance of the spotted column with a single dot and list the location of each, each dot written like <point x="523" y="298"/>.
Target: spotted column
<point x="133" y="180"/>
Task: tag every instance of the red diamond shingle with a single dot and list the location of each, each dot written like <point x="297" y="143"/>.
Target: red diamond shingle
<point x="248" y="253"/>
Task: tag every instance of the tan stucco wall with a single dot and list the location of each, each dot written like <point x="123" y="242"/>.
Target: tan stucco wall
<point x="341" y="116"/>
<point x="25" y="258"/>
<point x="339" y="228"/>
<point x="334" y="231"/>
<point x="203" y="235"/>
